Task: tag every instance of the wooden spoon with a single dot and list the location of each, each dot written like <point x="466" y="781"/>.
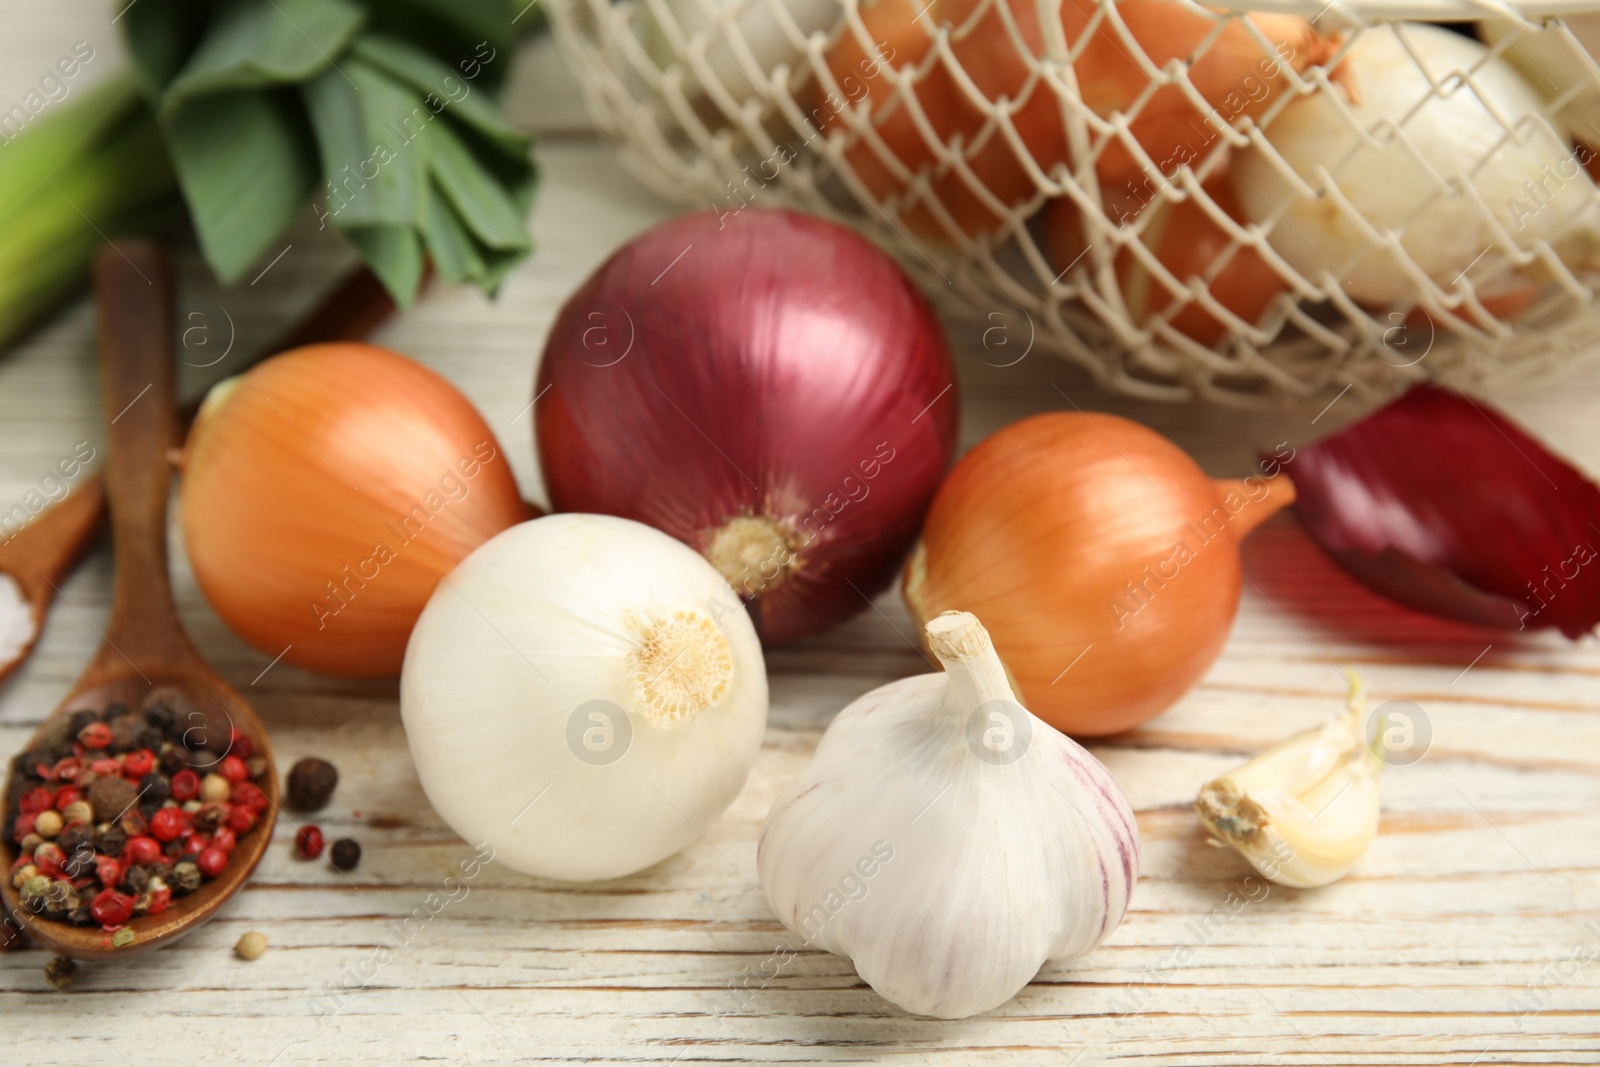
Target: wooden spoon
<point x="145" y="647"/>
<point x="41" y="552"/>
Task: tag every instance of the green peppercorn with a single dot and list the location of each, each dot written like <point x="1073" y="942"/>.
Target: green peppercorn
<point x="32" y="893"/>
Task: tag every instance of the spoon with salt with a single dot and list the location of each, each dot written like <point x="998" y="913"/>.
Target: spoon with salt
<point x="145" y="650"/>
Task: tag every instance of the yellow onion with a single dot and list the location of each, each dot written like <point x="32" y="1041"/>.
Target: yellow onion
<point x="1236" y="76"/>
<point x="327" y="491"/>
<point x="1103" y="561"/>
<point x="1188" y="243"/>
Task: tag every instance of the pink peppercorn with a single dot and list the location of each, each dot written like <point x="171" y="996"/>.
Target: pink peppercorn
<point x="212" y="862"/>
<point x="138" y="764"/>
<point x="35" y="800"/>
<point x="233" y="769"/>
<point x="248" y="794"/>
<point x="224" y="839"/>
<point x="106" y="768"/>
<point x="241" y="745"/>
<point x="242" y="819"/>
<point x="194" y="844"/>
<point x="95" y="735"/>
<point x="66" y="795"/>
<point x="108" y="869"/>
<point x="111" y="908"/>
<point x="167" y="824"/>
<point x="185" y="786"/>
<point x="142" y="850"/>
<point x="66" y="770"/>
<point x="159" y="900"/>
<point x="308" y="842"/>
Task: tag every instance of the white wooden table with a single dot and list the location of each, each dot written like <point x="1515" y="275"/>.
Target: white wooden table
<point x="1484" y="881"/>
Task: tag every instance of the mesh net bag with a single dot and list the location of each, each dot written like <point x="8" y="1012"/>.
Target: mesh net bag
<point x="1245" y="207"/>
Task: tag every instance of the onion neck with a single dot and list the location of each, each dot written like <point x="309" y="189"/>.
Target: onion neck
<point x="755" y="553"/>
<point x="1258" y="509"/>
<point x="977" y="677"/>
<point x="681" y="666"/>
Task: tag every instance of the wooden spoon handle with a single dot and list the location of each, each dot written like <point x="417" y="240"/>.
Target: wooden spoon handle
<point x="133" y="301"/>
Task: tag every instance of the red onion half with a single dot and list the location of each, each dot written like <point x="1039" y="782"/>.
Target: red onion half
<point x="767" y="387"/>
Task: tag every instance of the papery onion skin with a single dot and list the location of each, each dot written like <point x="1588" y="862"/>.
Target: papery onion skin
<point x="767" y="373"/>
<point x="1442" y="503"/>
<point x="530" y="645"/>
<point x="1236" y="76"/>
<point x="1452" y="187"/>
<point x="1062" y="532"/>
<point x="1187" y="241"/>
<point x="295" y="474"/>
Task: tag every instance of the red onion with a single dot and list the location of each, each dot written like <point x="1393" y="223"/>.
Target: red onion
<point x="767" y="387"/>
<point x="1444" y="504"/>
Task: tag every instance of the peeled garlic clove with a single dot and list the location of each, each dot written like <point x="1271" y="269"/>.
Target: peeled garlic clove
<point x="946" y="840"/>
<point x="1305" y="811"/>
<point x="584" y="694"/>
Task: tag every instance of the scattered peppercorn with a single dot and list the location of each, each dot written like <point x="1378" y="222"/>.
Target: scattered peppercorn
<point x="250" y="946"/>
<point x="59" y="972"/>
<point x="346" y="854"/>
<point x="311" y="784"/>
<point x="308" y="843"/>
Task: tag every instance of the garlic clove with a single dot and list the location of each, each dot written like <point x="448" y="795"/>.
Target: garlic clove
<point x="946" y="840"/>
<point x="1305" y="811"/>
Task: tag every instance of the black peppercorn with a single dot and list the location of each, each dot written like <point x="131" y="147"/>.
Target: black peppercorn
<point x="155" y="788"/>
<point x="125" y="731"/>
<point x="173" y="760"/>
<point x="134" y="881"/>
<point x="147" y="737"/>
<point x="75" y="837"/>
<point x="311" y="783"/>
<point x="81" y="916"/>
<point x="110" y="841"/>
<point x="116" y="708"/>
<point x="83" y="718"/>
<point x="209" y="817"/>
<point x="345" y="854"/>
<point x="79" y="862"/>
<point x="159" y="716"/>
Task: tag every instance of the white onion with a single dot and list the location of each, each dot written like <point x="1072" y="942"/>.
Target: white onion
<point x="585" y="694"/>
<point x="1457" y="140"/>
<point x="1553" y="67"/>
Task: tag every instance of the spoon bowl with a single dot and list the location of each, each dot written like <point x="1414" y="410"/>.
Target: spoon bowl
<point x="145" y="649"/>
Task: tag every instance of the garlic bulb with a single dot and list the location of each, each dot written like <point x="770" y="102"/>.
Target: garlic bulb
<point x="1304" y="811"/>
<point x="1433" y="169"/>
<point x="946" y="840"/>
<point x="584" y="693"/>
